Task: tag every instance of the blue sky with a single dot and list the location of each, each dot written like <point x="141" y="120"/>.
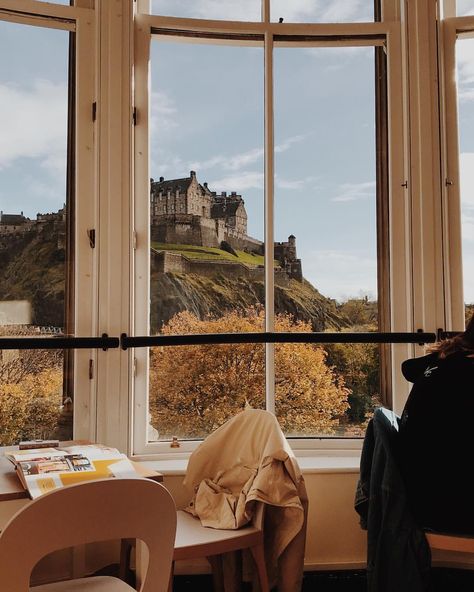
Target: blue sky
<point x="209" y="118"/>
<point x="207" y="115"/>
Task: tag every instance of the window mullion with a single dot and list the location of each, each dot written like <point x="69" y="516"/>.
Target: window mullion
<point x="269" y="216"/>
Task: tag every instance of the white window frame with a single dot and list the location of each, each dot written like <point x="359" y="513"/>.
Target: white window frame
<point x="451" y="29"/>
<point x="78" y="19"/>
<point x="399" y="217"/>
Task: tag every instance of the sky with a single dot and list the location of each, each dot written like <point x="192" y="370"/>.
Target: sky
<point x="207" y="115"/>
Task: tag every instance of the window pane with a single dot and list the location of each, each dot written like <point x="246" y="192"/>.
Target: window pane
<point x="207" y="252"/>
<point x="230" y="10"/>
<point x="322" y="11"/>
<point x="32" y="405"/>
<point x="326" y="225"/>
<point x="193" y="390"/>
<point x="33" y="200"/>
<point x="465" y="70"/>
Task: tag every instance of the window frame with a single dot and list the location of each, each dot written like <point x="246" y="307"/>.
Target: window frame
<point x="451" y="29"/>
<point x="395" y="239"/>
<point x="83" y="301"/>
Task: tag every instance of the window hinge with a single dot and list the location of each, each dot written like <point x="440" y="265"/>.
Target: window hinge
<point x="134" y="116"/>
<point x="135" y="367"/>
<point x="91" y="235"/>
<point x="91" y="369"/>
<point x="405" y="184"/>
<point x="94" y="111"/>
<point x="134" y="240"/>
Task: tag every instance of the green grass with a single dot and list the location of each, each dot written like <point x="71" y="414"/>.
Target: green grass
<point x="210" y="253"/>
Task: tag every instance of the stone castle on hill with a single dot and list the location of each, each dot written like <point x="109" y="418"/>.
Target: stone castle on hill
<point x="182" y="211"/>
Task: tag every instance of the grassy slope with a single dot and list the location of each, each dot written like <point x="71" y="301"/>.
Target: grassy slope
<point x="207" y="253"/>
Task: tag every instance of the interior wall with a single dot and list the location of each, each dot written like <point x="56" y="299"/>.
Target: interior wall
<point x="334" y="538"/>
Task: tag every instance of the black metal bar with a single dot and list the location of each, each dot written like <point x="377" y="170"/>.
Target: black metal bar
<point x="267" y="337"/>
<point x="105" y="342"/>
<point x="447" y="334"/>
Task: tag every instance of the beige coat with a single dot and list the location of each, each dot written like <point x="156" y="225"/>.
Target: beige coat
<point x="244" y="462"/>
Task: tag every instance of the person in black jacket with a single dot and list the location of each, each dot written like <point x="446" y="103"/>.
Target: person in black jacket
<point x="437" y="435"/>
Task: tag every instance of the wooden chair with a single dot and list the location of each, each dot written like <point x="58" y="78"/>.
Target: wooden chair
<point x="103" y="510"/>
<point x="194" y="541"/>
<point x="450" y="542"/>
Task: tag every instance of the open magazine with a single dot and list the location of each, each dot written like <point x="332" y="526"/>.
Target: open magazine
<point x="44" y="469"/>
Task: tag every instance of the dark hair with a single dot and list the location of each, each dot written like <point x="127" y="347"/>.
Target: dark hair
<point x="462" y="342"/>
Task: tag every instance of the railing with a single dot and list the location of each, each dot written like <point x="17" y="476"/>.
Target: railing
<point x="105" y="342"/>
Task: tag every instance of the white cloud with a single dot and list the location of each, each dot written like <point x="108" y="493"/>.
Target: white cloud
<point x="466" y="163"/>
<point x="321" y="10"/>
<point x="295" y="184"/>
<point x="294" y="11"/>
<point x="211" y="9"/>
<point x="236" y="162"/>
<point x="162" y="113"/>
<point x="288" y="143"/>
<point x="465" y="69"/>
<point x="464" y="7"/>
<point x="231" y="163"/>
<point x="240" y="182"/>
<point x="33" y="123"/>
<point x="467" y="227"/>
<point x="286" y="184"/>
<point x="341" y="274"/>
<point x="355" y="191"/>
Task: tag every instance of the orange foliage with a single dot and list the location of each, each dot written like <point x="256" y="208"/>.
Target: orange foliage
<point x="194" y="389"/>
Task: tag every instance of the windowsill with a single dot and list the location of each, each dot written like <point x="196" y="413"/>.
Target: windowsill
<point x="348" y="462"/>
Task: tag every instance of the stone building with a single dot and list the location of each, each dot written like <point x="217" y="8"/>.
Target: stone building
<point x="13" y="223"/>
<point x="285" y="254"/>
<point x="184" y="211"/>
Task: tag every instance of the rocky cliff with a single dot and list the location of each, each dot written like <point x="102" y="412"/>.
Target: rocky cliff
<point x="204" y="296"/>
<point x="33" y="268"/>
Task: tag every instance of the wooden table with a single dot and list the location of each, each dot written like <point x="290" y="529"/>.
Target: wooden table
<point x="12" y="489"/>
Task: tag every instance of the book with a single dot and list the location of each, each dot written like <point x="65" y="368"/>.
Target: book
<point x="45" y="469"/>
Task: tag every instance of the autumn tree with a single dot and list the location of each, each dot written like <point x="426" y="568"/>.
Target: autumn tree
<point x="30" y="392"/>
<point x="194" y="389"/>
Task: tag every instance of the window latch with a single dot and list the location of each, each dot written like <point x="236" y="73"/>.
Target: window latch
<point x="174" y="443"/>
<point x="91" y="235"/>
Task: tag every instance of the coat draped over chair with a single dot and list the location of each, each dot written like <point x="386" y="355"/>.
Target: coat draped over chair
<point x="248" y="461"/>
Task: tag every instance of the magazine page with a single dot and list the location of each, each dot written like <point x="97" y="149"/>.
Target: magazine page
<point x="41" y="471"/>
<point x="32" y="453"/>
<point x="42" y="474"/>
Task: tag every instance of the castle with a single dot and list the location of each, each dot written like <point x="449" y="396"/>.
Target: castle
<point x="182" y="211"/>
<point x="17" y="226"/>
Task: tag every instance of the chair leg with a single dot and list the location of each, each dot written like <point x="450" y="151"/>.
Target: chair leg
<point x="217" y="572"/>
<point x="259" y="558"/>
<point x="232" y="571"/>
<point x="170" y="583"/>
<point x="126" y="546"/>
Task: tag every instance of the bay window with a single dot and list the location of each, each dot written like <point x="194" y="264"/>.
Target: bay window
<point x="261" y="168"/>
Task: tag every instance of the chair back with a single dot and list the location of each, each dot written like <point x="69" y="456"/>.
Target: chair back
<point x="102" y="510"/>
